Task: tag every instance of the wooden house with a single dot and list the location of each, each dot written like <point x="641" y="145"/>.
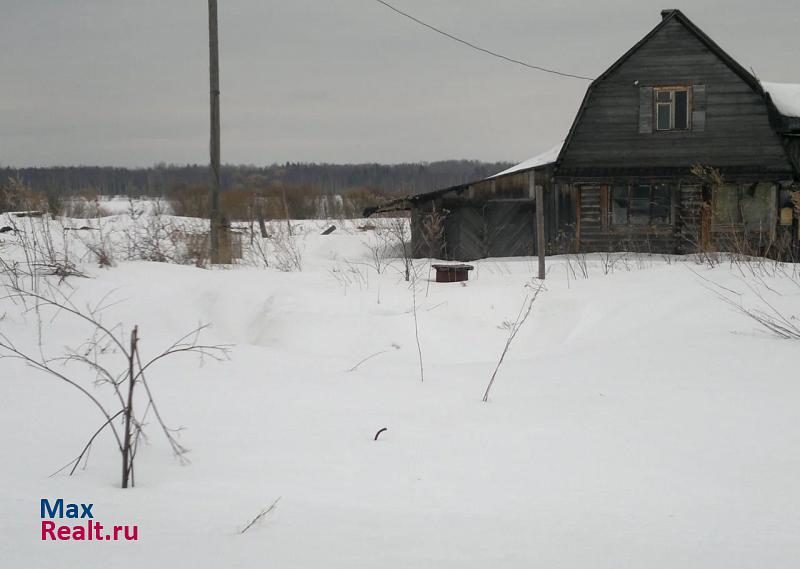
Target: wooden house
<point x="626" y="177"/>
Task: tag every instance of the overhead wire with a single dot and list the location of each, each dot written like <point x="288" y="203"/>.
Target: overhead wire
<point x="482" y="49"/>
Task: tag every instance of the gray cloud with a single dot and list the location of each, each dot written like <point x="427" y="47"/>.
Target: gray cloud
<point x="125" y="83"/>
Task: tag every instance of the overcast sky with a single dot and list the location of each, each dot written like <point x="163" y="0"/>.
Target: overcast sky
<point x="124" y="82"/>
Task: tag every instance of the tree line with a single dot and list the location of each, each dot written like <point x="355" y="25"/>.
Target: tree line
<point x="163" y="179"/>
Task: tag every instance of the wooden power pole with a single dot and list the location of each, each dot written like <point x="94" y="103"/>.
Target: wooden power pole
<point x="217" y="229"/>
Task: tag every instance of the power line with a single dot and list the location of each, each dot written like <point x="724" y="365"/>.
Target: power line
<point x="479" y="48"/>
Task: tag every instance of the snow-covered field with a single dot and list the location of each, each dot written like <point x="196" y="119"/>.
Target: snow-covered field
<point x="637" y="421"/>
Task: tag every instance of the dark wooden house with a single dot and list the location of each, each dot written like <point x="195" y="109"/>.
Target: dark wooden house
<point x="626" y="176"/>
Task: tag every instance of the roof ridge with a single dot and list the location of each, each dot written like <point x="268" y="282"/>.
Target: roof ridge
<point x="666" y="17"/>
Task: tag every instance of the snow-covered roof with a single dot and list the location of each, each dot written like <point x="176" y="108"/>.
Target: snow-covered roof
<point x="542" y="159"/>
<point x="785" y="96"/>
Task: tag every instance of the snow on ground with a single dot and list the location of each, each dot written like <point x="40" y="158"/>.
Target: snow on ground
<point x="638" y="421"/>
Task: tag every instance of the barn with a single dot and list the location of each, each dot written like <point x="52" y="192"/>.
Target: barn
<point x="676" y="148"/>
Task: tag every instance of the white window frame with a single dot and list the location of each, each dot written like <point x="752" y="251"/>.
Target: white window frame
<point x="671" y="89"/>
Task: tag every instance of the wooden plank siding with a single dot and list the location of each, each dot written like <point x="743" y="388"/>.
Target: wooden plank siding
<point x="489" y="220"/>
<point x="737" y="130"/>
<point x="496" y="228"/>
<point x="597" y="233"/>
<point x="792" y="146"/>
<point x="682" y="234"/>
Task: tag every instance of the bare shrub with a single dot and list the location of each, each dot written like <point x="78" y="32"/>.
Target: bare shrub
<point x="86" y="205"/>
<point x="383" y="244"/>
<point x="190" y="201"/>
<point x="608" y="261"/>
<point x="356" y="200"/>
<point x="396" y="233"/>
<point x="155" y="240"/>
<point x="162" y="238"/>
<point x="577" y="265"/>
<point x="302" y="202"/>
<point x="16" y="195"/>
<point x="101" y="248"/>
<point x="288" y="250"/>
<point x="257" y="254"/>
<point x="432" y="232"/>
<point x="106" y="358"/>
<point x="44" y="254"/>
<point x="762" y="309"/>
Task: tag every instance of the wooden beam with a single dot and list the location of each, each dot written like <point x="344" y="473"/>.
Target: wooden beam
<point x="539" y="193"/>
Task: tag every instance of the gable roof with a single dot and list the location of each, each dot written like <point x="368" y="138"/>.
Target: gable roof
<point x="667" y="16"/>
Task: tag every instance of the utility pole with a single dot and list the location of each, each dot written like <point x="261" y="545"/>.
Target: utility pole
<point x="217" y="223"/>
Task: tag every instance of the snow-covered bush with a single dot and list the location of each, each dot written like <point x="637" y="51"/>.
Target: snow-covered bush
<point x="287" y="248"/>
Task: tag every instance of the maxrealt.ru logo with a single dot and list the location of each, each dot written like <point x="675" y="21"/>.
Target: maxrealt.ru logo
<point x="90" y="530"/>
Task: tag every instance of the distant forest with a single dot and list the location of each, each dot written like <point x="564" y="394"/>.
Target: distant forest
<point x="164" y="179"/>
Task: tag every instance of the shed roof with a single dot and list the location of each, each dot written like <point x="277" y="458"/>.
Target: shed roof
<point x="543" y="159"/>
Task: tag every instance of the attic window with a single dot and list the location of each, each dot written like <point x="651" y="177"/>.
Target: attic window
<point x="671" y="108"/>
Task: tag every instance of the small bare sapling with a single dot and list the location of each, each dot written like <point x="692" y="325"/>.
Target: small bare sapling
<point x="514" y="328"/>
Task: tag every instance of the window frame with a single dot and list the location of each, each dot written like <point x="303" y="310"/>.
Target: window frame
<point x="672" y="89"/>
<point x="652" y="205"/>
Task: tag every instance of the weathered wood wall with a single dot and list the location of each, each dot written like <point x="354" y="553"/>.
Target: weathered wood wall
<point x="736" y="130"/>
<point x="792" y="146"/>
<point x="495" y="229"/>
<point x="492" y="219"/>
<point x="683" y="233"/>
<point x="596" y="233"/>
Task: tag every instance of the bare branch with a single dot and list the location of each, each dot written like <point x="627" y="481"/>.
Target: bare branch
<point x="77" y="460"/>
<point x="44" y="367"/>
<point x="261" y="515"/>
<point x="522" y="316"/>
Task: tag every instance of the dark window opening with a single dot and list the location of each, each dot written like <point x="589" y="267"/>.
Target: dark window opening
<point x="672" y="108"/>
<point x="681" y="109"/>
<point x="639" y="210"/>
<point x="660" y="204"/>
<point x="663" y="117"/>
<point x="641" y="204"/>
<point x="619" y="205"/>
